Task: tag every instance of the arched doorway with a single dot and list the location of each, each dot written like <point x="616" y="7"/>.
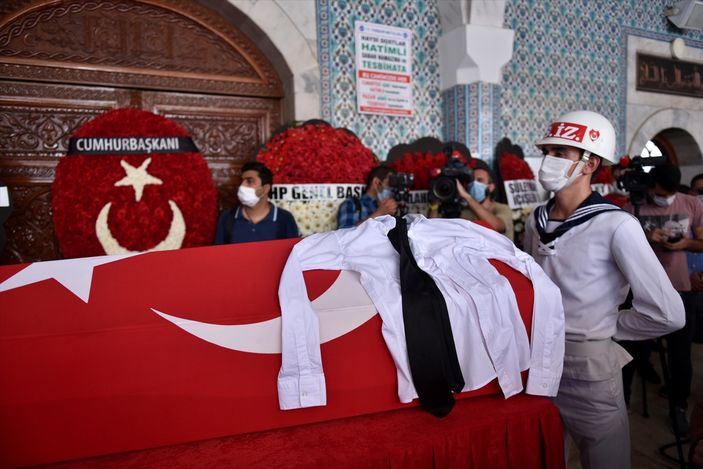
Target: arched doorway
<point x="63" y="64"/>
<point x="679" y="148"/>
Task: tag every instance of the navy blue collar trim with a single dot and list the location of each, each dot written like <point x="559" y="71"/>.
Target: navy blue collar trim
<point x="589" y="208"/>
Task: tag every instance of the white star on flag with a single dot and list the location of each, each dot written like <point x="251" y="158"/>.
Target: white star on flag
<point x="137" y="178"/>
<point x="74" y="274"/>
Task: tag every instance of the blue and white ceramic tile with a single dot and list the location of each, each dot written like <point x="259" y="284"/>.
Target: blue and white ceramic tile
<point x="572" y="54"/>
<point x="568" y="54"/>
<point x="336" y="51"/>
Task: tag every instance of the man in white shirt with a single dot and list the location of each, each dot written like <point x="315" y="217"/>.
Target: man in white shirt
<point x="595" y="252"/>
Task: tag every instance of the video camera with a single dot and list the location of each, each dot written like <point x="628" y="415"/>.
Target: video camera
<point x="635" y="180"/>
<point x="401" y="184"/>
<point x="443" y="187"/>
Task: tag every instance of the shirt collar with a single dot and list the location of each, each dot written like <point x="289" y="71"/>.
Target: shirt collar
<point x="271" y="216"/>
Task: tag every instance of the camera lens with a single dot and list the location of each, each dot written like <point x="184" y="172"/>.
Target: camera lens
<point x="444" y="188"/>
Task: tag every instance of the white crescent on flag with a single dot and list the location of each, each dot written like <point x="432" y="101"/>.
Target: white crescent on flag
<point x="343" y="307"/>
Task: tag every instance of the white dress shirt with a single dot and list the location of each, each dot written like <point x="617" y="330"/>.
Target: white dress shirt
<point x="594" y="264"/>
<point x="489" y="334"/>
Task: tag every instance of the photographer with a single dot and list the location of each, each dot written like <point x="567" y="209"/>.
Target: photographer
<point x="673" y="224"/>
<point x="376" y="201"/>
<point x="473" y="202"/>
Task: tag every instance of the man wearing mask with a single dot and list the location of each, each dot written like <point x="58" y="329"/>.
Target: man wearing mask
<point x="478" y="202"/>
<point x="376" y="201"/>
<point x="256" y="219"/>
<point x="498" y="215"/>
<point x="673" y="224"/>
<point x="594" y="252"/>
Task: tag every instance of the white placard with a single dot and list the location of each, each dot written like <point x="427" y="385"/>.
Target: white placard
<point x="384" y="82"/>
<point x="4" y="197"/>
<point x="602" y="189"/>
<point x="315" y="191"/>
<point x="522" y="193"/>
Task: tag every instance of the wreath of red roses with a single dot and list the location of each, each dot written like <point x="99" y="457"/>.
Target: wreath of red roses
<point x="85" y="183"/>
<point x="317" y="153"/>
<point x="513" y="167"/>
<point x="604" y="176"/>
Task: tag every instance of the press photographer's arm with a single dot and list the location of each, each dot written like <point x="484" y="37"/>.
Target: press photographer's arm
<point x="481" y="212"/>
<point x="385" y="207"/>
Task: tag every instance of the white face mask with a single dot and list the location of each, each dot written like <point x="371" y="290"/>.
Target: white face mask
<point x="386" y="193"/>
<point x="477" y="189"/>
<point x="247" y="196"/>
<point x="663" y="201"/>
<point x="552" y="173"/>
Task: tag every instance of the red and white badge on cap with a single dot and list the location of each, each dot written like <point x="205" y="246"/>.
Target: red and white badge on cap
<point x="568" y="131"/>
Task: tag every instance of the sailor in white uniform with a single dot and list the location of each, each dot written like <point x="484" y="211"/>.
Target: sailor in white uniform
<point x="595" y="253"/>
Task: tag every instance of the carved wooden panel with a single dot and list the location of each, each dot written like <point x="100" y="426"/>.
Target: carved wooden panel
<point x="36" y="121"/>
<point x="158" y="44"/>
<point x="227" y="129"/>
<point x="30" y="227"/>
<point x="63" y="63"/>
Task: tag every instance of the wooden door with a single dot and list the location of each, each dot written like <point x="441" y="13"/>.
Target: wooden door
<point x="63" y="64"/>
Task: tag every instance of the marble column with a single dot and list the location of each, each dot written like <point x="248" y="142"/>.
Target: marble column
<point x="471" y="59"/>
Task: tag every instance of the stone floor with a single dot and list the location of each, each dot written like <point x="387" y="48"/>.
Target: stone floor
<point x="650" y="433"/>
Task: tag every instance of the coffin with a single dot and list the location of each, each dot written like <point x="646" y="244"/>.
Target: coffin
<point x="114" y="354"/>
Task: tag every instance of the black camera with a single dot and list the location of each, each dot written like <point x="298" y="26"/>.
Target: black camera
<point x="443" y="187"/>
<point x="635" y="180"/>
<point x="401" y="183"/>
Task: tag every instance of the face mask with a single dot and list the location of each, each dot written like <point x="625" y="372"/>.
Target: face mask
<point x="477" y="190"/>
<point x="386" y="193"/>
<point x="552" y="173"/>
<point x="247" y="196"/>
<point x="663" y="201"/>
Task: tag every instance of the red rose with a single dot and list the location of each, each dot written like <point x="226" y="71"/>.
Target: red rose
<point x="513" y="167"/>
<point x="316" y="153"/>
<point x="90" y="203"/>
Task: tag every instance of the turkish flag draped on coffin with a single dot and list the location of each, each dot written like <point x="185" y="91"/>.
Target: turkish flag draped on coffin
<point x="88" y="366"/>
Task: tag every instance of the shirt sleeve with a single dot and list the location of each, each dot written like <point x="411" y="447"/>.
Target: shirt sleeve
<point x="347" y="217"/>
<point x="548" y="334"/>
<point x="301" y="381"/>
<point x="530" y="233"/>
<point x="697" y="218"/>
<point x="657" y="308"/>
<point x="497" y="312"/>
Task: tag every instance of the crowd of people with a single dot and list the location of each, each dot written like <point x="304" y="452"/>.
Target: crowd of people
<point x="628" y="272"/>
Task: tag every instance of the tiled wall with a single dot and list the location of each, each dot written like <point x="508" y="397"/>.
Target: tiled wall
<point x="336" y="52"/>
<point x="471" y="115"/>
<point x="568" y="54"/>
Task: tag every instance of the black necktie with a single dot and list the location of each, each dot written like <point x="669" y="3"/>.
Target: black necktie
<point x="428" y="334"/>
